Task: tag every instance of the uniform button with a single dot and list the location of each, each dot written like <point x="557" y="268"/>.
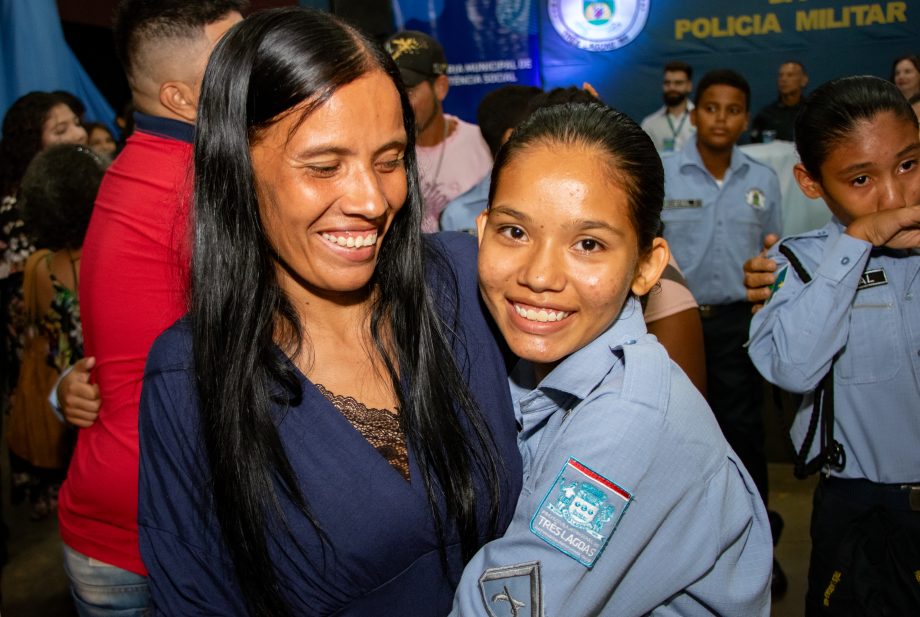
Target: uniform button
<point x="845" y="260"/>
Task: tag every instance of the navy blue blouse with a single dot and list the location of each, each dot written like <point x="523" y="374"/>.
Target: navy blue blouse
<point x="384" y="558"/>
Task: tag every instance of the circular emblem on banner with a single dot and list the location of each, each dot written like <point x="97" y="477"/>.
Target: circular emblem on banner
<point x="598" y="25"/>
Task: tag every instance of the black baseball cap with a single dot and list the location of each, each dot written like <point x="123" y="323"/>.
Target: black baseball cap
<point x="418" y="56"/>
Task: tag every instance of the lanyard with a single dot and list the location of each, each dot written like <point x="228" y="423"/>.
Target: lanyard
<point x="680" y="125"/>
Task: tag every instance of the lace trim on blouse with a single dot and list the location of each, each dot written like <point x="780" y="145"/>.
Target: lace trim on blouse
<point x="380" y="427"/>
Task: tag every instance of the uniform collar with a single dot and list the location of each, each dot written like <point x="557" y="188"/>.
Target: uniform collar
<point x="580" y="373"/>
<point x="165" y="127"/>
<point x="689" y="155"/>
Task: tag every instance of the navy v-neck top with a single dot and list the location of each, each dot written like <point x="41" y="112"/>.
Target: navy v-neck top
<point x="384" y="558"/>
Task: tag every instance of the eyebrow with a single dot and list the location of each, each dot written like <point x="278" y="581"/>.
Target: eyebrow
<point x="911" y="149"/>
<point x="343" y="151"/>
<point x="577" y="224"/>
<point x="509" y="211"/>
<point x="589" y="224"/>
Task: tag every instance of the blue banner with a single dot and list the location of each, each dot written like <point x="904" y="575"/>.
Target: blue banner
<point x="35" y="56"/>
<point x="620" y="46"/>
<point x="488" y="43"/>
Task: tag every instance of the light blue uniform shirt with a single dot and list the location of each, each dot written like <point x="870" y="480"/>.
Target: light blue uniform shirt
<point x="632" y="504"/>
<point x="460" y="214"/>
<point x="876" y="330"/>
<point x="712" y="231"/>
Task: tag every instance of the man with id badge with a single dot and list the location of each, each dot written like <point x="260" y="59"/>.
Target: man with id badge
<point x="670" y="127"/>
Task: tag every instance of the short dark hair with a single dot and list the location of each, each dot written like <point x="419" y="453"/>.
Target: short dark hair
<point x="797" y="63"/>
<point x="501" y="110"/>
<point x="832" y="111"/>
<point x="724" y="77"/>
<point x="92" y="126"/>
<point x="58" y="191"/>
<point x="630" y="152"/>
<point x="141" y="20"/>
<point x="560" y="96"/>
<point x="678" y="65"/>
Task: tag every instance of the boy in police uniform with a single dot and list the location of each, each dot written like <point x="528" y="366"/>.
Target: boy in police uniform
<point x="719" y="206"/>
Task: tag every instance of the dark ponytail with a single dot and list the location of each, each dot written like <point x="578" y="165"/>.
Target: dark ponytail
<point x="832" y="111"/>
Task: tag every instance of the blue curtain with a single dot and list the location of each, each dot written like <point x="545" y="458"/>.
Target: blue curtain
<point x="35" y="56"/>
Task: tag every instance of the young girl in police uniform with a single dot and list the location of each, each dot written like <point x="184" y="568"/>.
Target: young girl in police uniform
<point x="847" y="302"/>
<point x="632" y="501"/>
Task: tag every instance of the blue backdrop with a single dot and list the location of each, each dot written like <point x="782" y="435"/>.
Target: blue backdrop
<point x="488" y="43"/>
<point x="831" y="37"/>
<point x="34" y="56"/>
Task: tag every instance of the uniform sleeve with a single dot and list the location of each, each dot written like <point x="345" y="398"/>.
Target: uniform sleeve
<point x="189" y="574"/>
<point x="685" y="544"/>
<point x="798" y="332"/>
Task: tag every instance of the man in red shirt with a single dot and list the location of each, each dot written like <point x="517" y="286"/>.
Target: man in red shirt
<point x="132" y="287"/>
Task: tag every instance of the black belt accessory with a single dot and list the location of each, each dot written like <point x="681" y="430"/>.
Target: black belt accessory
<point x="831" y="454"/>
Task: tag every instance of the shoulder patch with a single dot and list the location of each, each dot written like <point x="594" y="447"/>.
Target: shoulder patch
<point x="512" y="591"/>
<point x="580" y="512"/>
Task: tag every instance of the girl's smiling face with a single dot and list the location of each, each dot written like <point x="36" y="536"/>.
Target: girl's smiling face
<point x="559" y="251"/>
<point x="874" y="168"/>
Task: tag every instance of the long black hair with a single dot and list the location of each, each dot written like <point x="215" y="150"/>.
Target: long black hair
<point x="262" y="69"/>
<point x="832" y="111"/>
<point x="629" y="151"/>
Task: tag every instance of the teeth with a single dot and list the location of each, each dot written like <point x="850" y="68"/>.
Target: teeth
<point x="352" y="241"/>
<point x="541" y="315"/>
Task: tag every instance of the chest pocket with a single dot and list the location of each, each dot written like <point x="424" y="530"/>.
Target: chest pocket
<point x="747" y="224"/>
<point x="687" y="233"/>
<point x="873" y="350"/>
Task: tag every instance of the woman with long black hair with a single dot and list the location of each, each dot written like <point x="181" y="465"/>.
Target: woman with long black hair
<point x="326" y="432"/>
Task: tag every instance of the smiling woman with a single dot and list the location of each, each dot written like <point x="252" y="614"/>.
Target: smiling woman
<point x="326" y="432"/>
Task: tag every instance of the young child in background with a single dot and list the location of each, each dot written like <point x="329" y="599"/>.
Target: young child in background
<point x="847" y="300"/>
<point x="719" y="206"/>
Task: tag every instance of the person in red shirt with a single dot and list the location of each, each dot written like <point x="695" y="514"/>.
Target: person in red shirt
<point x="132" y="287"/>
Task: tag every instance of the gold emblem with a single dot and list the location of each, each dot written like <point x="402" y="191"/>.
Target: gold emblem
<point x="399" y="47"/>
